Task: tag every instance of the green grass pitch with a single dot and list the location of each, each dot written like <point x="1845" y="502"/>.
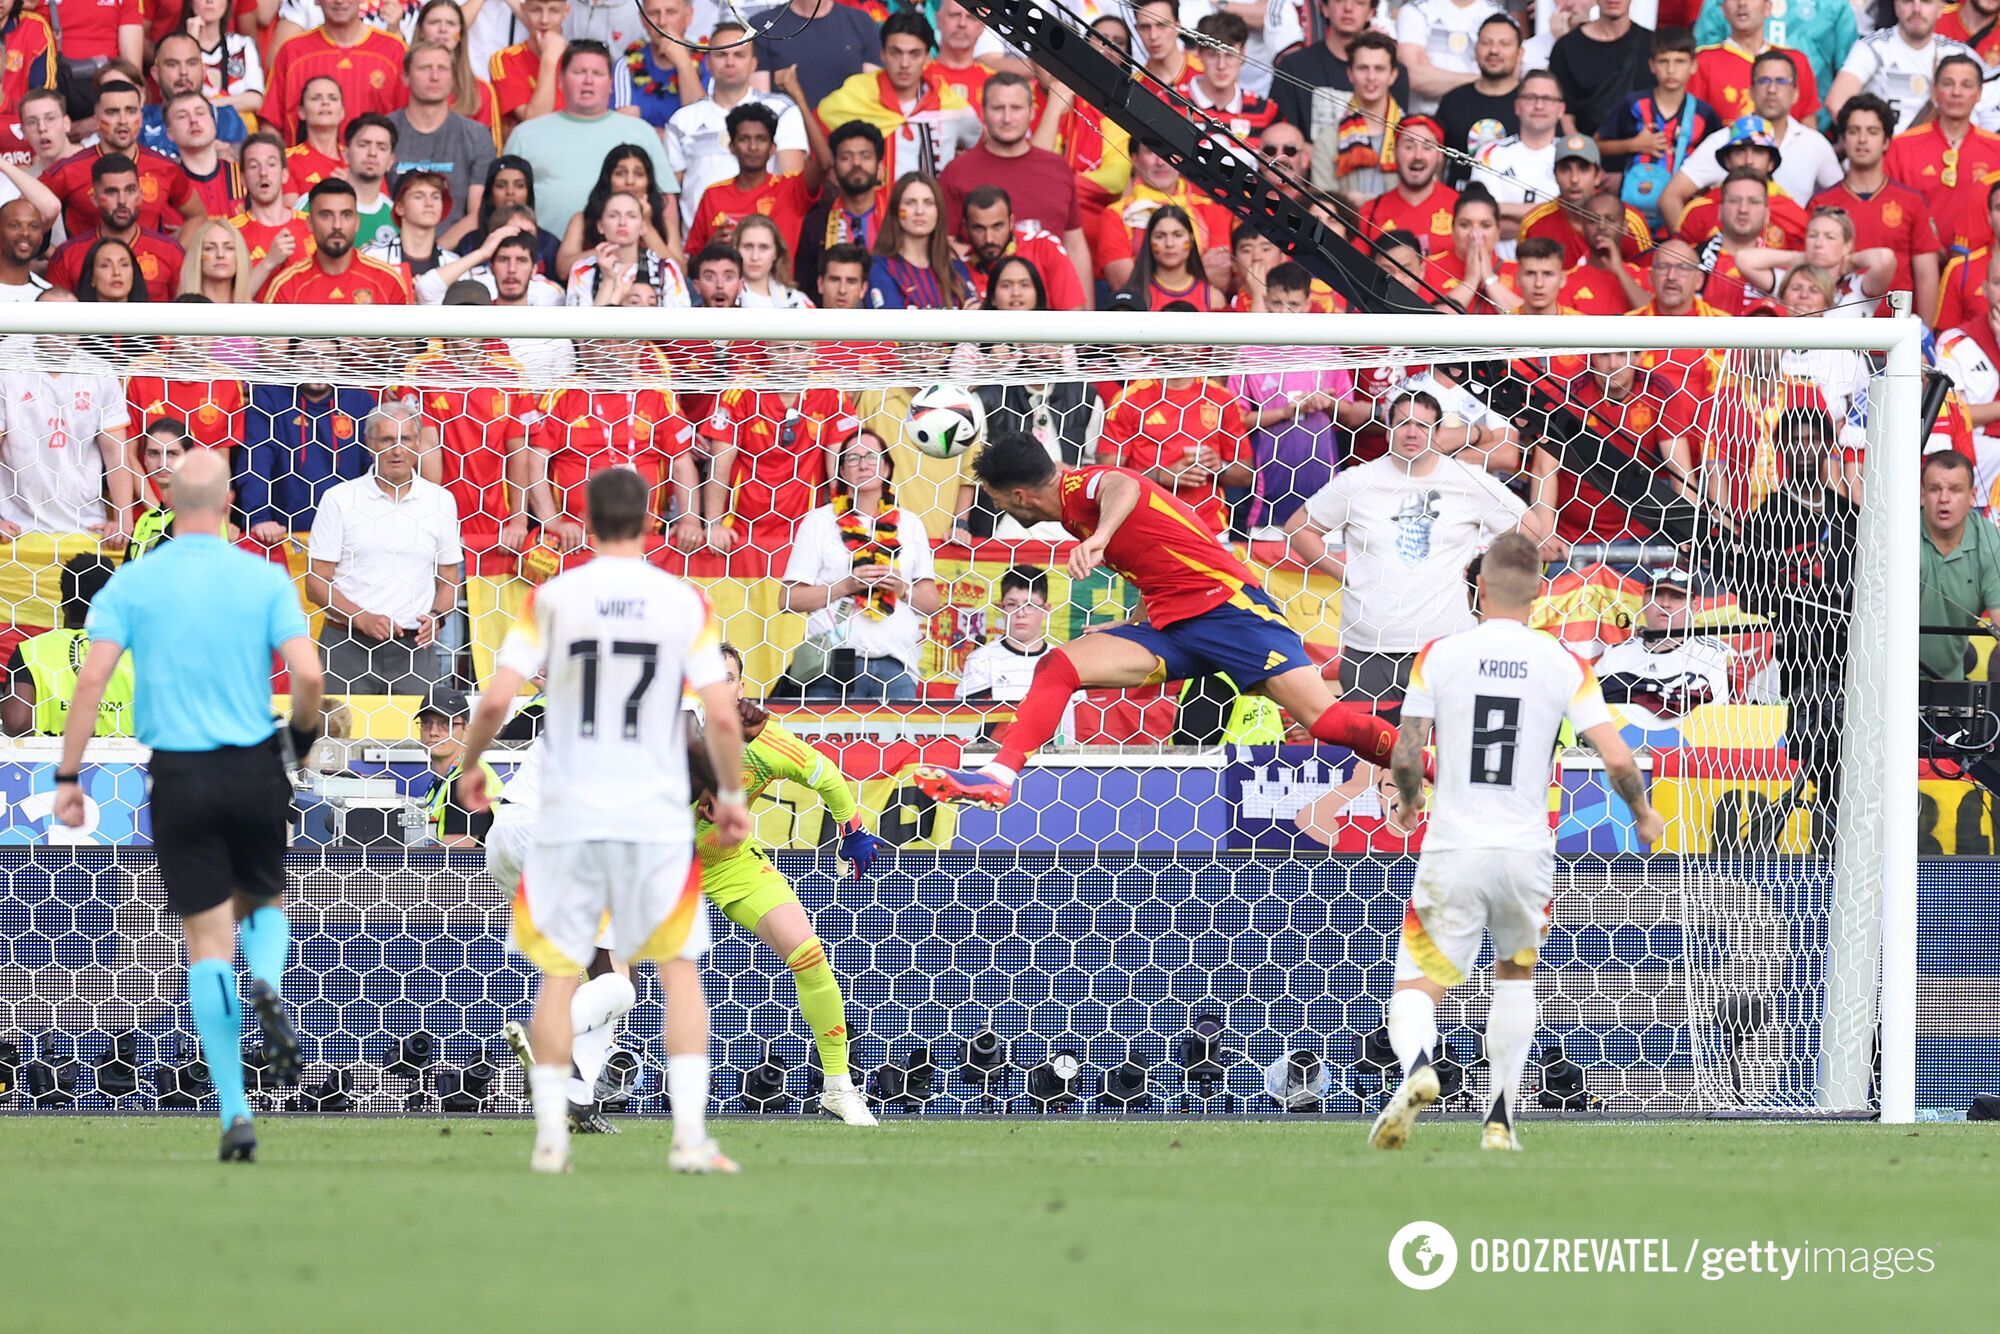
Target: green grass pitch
<point x="1007" y="1225"/>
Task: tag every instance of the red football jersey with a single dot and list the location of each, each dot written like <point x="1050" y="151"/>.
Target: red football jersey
<point x="1941" y="173"/>
<point x="370" y="75"/>
<point x="1951" y="24"/>
<point x="1178" y="564"/>
<point x="159" y="263"/>
<point x="1045" y="250"/>
<point x="163" y="188"/>
<point x="1722" y="79"/>
<point x="212" y="409"/>
<point x="1785" y="229"/>
<point x="90" y="27"/>
<point x="1593" y="291"/>
<point x="584" y="433"/>
<point x="306" y="166"/>
<point x="968" y="79"/>
<point x="783" y="199"/>
<point x="1445" y="270"/>
<point x="1962" y="290"/>
<point x="781" y="452"/>
<point x="477" y="430"/>
<point x="222" y="192"/>
<point x="1554" y="221"/>
<point x="513" y="74"/>
<point x="1153" y="425"/>
<point x="1894" y="216"/>
<point x="259" y="236"/>
<point x="30" y="63"/>
<point x="1730" y="433"/>
<point x="1584" y="513"/>
<point x="1429" y="217"/>
<point x="366" y="281"/>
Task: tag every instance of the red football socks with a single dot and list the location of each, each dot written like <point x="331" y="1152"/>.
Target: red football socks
<point x="1037" y="717"/>
<point x="1356" y="728"/>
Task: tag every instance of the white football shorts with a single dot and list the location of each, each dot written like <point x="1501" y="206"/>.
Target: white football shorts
<point x="1463" y="892"/>
<point x="651" y="891"/>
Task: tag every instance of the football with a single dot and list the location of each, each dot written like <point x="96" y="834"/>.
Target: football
<point x="946" y="420"/>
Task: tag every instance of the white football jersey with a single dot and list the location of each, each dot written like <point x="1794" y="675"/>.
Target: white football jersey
<point x="619" y="640"/>
<point x="1447" y="31"/>
<point x="524" y="785"/>
<point x="1498" y="695"/>
<point x="1901" y="74"/>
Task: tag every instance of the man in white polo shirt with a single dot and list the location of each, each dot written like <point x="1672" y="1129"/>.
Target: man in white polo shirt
<point x="385" y="565"/>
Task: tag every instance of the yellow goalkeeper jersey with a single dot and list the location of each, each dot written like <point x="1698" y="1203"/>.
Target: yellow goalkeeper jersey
<point x="778" y="756"/>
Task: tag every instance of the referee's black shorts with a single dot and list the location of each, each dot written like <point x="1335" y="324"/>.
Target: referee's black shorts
<point x="220" y="822"/>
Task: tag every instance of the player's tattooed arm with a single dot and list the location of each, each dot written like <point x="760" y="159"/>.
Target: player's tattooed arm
<point x="1406" y="762"/>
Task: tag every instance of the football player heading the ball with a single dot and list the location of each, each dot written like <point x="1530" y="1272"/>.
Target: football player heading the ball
<point x="1201" y="612"/>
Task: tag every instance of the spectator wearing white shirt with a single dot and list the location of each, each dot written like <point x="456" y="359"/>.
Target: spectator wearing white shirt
<point x="1899" y="65"/>
<point x="697" y="136"/>
<point x="1658" y="677"/>
<point x="1412" y="519"/>
<point x="504" y="266"/>
<point x="861" y="573"/>
<point x="62" y="448"/>
<point x="1807" y="163"/>
<point x="1520" y="171"/>
<point x="622" y="251"/>
<point x="1436" y="38"/>
<point x="385" y="563"/>
<point x="1002" y="669"/>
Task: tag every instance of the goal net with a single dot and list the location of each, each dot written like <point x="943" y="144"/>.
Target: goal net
<point x="1188" y="906"/>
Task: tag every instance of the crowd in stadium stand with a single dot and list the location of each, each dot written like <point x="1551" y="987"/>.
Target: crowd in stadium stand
<point x="1723" y="158"/>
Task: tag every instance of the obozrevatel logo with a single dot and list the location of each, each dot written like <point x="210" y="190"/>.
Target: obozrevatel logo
<point x="1422" y="1255"/>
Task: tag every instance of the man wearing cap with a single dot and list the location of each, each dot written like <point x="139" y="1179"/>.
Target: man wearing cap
<point x="1660" y="675"/>
<point x="430" y="136"/>
<point x="441" y="727"/>
<point x="1804" y="163"/>
<point x="1579" y="176"/>
<point x="1751" y="151"/>
<point x="1421" y="203"/>
<point x="420" y="201"/>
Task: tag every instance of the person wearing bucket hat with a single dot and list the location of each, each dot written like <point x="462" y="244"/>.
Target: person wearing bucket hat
<point x="1804" y="162"/>
<point x="1751" y="152"/>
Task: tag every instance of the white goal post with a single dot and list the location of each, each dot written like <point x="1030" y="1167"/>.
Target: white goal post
<point x="1870" y="972"/>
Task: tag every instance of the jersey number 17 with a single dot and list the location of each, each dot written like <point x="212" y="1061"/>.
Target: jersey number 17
<point x="588" y="654"/>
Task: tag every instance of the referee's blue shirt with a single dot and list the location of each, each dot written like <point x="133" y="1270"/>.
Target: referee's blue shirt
<point x="200" y="618"/>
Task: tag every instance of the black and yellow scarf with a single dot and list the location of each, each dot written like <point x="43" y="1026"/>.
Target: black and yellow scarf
<point x="871" y="540"/>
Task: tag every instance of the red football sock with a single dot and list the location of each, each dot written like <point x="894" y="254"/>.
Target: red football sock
<point x="1037" y="717"/>
<point x="1356" y="728"/>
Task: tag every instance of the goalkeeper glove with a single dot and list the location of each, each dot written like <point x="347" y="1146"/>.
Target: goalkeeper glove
<point x="858" y="848"/>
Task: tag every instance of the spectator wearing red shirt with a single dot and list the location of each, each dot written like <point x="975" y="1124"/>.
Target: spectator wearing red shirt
<point x="1155" y="183"/>
<point x="1539" y="272"/>
<point x="117" y="211"/>
<point x="1728" y="439"/>
<point x="166" y="198"/>
<point x="1977" y="27"/>
<point x="184" y="382"/>
<point x="958" y="34"/>
<point x="525" y="77"/>
<point x="1948" y="152"/>
<point x="472" y="435"/>
<point x="1621" y="404"/>
<point x="1168" y="270"/>
<point x="1677" y="277"/>
<point x="995" y="234"/>
<point x="851" y="213"/>
<point x="29" y="63"/>
<point x="103" y="30"/>
<point x="582" y="432"/>
<point x="1886" y="213"/>
<point x="1741" y="229"/>
<point x="770" y="454"/>
<point x="785" y="200"/>
<point x="1579" y="179"/>
<point x="1185" y="434"/>
<point x="1040" y="184"/>
<point x="271" y="229"/>
<point x="1722" y="73"/>
<point x="1604" y="282"/>
<point x="1978" y="325"/>
<point x="1470" y="274"/>
<point x="366" y="62"/>
<point x="323" y="114"/>
<point x="1756" y="152"/>
<point x="1961" y="288"/>
<point x="1420" y="203"/>
<point x="217" y="180"/>
<point x="1216" y="89"/>
<point x="336" y="273"/>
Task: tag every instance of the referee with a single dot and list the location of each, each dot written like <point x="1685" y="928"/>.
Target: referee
<point x="201" y="619"/>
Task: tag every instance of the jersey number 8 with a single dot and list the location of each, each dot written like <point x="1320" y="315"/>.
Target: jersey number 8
<point x="1496" y="733"/>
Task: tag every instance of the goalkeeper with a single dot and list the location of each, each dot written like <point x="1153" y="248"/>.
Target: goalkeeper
<point x="752" y="893"/>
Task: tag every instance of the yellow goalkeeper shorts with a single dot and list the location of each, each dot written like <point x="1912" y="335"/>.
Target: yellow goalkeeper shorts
<point x="745" y="886"/>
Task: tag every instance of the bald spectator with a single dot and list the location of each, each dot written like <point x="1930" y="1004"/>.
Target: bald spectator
<point x="385" y="564"/>
<point x="22" y="233"/>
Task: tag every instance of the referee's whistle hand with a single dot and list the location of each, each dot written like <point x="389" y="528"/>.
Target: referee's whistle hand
<point x="471" y="791"/>
<point x="69" y="805"/>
